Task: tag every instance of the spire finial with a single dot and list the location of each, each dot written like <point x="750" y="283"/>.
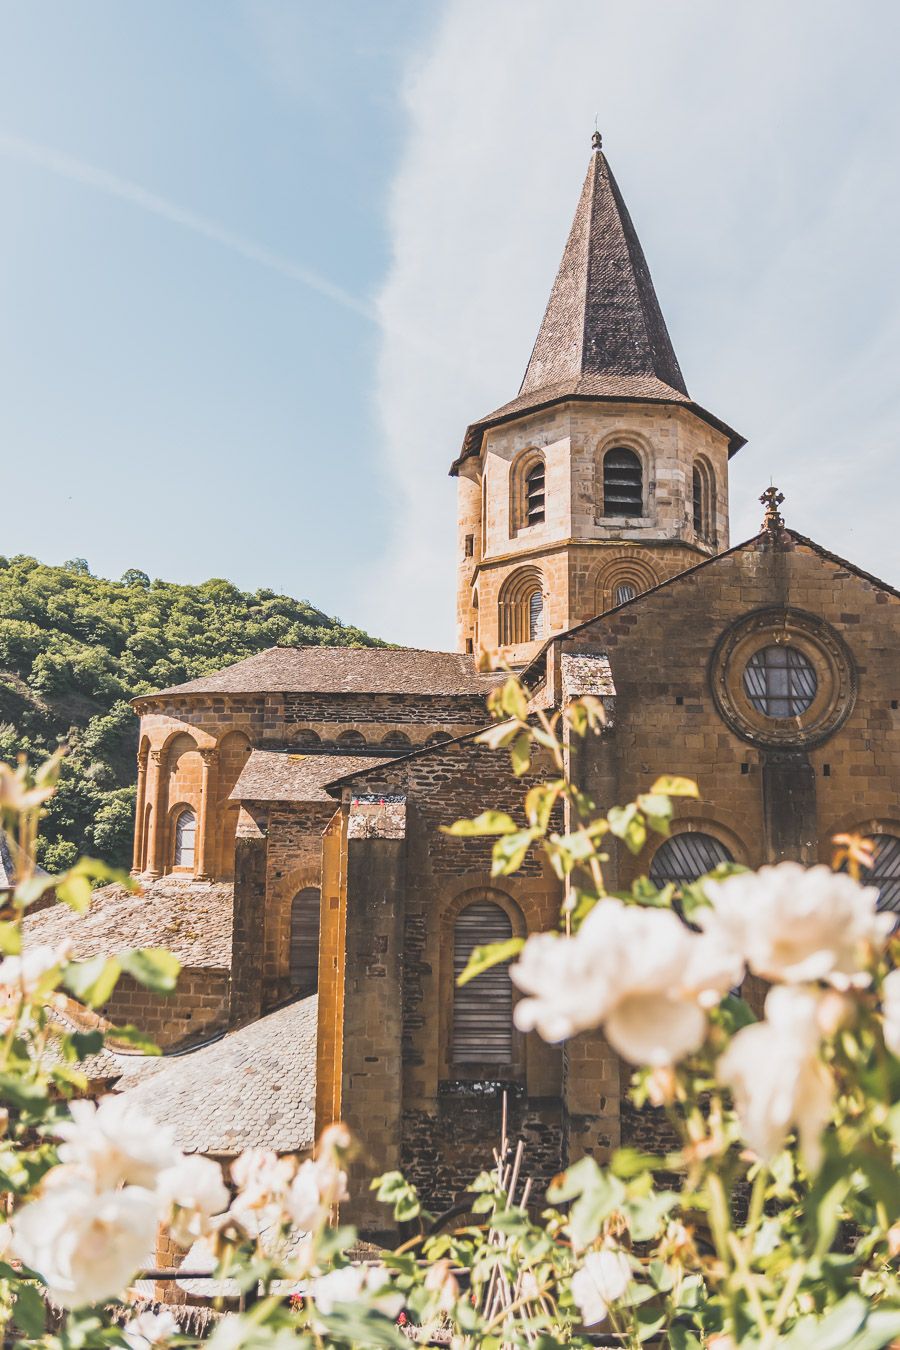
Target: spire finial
<point x="596" y="139"/>
<point x="771" y="499"/>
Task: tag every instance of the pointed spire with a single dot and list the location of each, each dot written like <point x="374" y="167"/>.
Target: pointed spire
<point x="603" y="318"/>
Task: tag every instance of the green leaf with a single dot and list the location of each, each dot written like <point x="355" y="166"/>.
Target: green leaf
<point x="491" y="954"/>
<point x="31" y="889"/>
<point x="513" y="700"/>
<point x="881" y="1329"/>
<point x="509" y="852"/>
<point x="668" y="786"/>
<point x="16" y="1091"/>
<point x="499" y="735"/>
<point x="627" y="824"/>
<point x="832" y="1332"/>
<point x="86" y="1043"/>
<point x="75" y="891"/>
<point x="92" y="981"/>
<point x="520" y="754"/>
<point x="69" y="1077"/>
<point x="392" y="1188"/>
<point x="539" y="803"/>
<point x="10" y="938"/>
<point x="30" y="1310"/>
<point x="153" y="967"/>
<point x="131" y="1035"/>
<point x="488" y="823"/>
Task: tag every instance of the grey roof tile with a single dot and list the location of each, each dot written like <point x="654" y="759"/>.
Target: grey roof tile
<point x="280" y="776"/>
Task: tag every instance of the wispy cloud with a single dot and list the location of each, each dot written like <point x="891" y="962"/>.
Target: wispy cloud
<point x="89" y="175"/>
<point x="753" y="143"/>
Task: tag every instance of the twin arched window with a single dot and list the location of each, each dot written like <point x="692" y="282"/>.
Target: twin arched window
<point x="185" y="838"/>
<point x="303" y="960"/>
<point x="623" y="483"/>
<point x="482" y="1009"/>
<point x="685" y="857"/>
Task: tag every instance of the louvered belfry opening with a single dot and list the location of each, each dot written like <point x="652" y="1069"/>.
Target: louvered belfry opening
<point x="623" y="483"/>
<point x="303" y="963"/>
<point x="535" y="616"/>
<point x="685" y="857"/>
<point x="535" y="495"/>
<point x="482" y="1009"/>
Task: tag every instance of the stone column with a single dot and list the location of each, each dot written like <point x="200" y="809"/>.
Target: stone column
<point x="139" y="812"/>
<point x="206" y="824"/>
<point x="156" y="787"/>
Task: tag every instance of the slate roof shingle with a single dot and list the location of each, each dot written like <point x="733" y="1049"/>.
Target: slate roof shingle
<point x="192" y="920"/>
<point x="342" y="670"/>
<point x="277" y="776"/>
<point x="253" y="1087"/>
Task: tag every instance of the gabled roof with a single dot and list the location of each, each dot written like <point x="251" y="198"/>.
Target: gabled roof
<point x="342" y="670"/>
<point x="277" y="776"/>
<point x="603" y="335"/>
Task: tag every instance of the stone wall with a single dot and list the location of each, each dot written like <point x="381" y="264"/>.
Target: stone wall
<point x="197" y="1008"/>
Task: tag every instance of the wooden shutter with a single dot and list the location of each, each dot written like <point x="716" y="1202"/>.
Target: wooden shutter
<point x="482" y="1009"/>
<point x="304" y="953"/>
<point x="185" y="839"/>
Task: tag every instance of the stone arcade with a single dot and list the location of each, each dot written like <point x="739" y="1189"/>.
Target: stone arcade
<point x="289" y="806"/>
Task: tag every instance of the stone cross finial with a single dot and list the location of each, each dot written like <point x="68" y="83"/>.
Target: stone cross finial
<point x="771" y="499"/>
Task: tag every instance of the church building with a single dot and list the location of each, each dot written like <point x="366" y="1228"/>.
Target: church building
<point x="292" y="804"/>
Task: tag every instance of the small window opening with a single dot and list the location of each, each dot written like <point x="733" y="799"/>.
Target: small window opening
<point x="679" y="700"/>
<point x="623" y="486"/>
<point x="699" y="513"/>
<point x="470" y="545"/>
<point x="534" y="495"/>
<point x="304" y="952"/>
<point x="625" y="591"/>
<point x="745" y="767"/>
<point x="482" y="1009"/>
<point x="535" y="616"/>
<point x="469" y="647"/>
<point x="826" y="770"/>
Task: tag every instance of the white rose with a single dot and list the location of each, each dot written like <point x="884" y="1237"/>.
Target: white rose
<point x="86" y="1245"/>
<point x="25" y="972"/>
<point x="116" y="1142"/>
<point x="601" y="1280"/>
<point x="149" y="1329"/>
<point x="777" y="1077"/>
<point x="348" y="1283"/>
<point x="891" y="1007"/>
<point x="638" y="972"/>
<point x="795" y="924"/>
<point x="191" y="1194"/>
<point x="262" y="1179"/>
<point x="316" y="1188"/>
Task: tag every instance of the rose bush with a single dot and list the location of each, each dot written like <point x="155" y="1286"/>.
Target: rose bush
<point x="783" y="1227"/>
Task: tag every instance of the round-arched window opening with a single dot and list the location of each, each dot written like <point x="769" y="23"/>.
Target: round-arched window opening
<point x="684" y="858"/>
<point x="885" y="871"/>
<point x="626" y="590"/>
<point x="534" y="495"/>
<point x="535" y="616"/>
<point x="780" y="681"/>
<point x="185" y="838"/>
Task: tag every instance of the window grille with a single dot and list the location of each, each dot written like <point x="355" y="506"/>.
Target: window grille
<point x="625" y="591"/>
<point x="885" y="873"/>
<point x="535" y="616"/>
<point x="303" y="960"/>
<point x="623" y="483"/>
<point x="534" y="495"/>
<point x="185" y="838"/>
<point x="780" y="681"/>
<point x="482" y="1009"/>
<point x="685" y="857"/>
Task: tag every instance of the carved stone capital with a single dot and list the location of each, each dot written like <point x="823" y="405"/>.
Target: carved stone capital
<point x="210" y="756"/>
<point x="156" y="758"/>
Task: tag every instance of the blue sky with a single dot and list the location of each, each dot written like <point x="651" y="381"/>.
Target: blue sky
<point x="260" y="263"/>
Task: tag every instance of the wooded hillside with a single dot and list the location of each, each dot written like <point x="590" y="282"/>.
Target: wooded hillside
<point x="75" y="647"/>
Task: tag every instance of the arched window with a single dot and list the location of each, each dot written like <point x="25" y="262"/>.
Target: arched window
<point x="885" y="872"/>
<point x="521" y="607"/>
<point x="685" y="857"/>
<point x="185" y="838"/>
<point x="304" y="951"/>
<point x="534" y="495"/>
<point x="780" y="681"/>
<point x="535" y="615"/>
<point x="482" y="1009"/>
<point x="351" y="738"/>
<point x="397" y="740"/>
<point x="306" y="736"/>
<point x="623" y="483"/>
<point x="625" y="591"/>
<point x="438" y="738"/>
<point x="699" y="512"/>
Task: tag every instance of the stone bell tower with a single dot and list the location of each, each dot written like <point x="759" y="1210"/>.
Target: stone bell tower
<point x="602" y="477"/>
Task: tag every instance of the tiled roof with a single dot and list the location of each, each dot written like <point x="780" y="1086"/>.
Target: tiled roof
<point x="254" y="1087"/>
<point x="277" y="776"/>
<point x="603" y="335"/>
<point x="585" y="672"/>
<point x="191" y="920"/>
<point x="343" y="670"/>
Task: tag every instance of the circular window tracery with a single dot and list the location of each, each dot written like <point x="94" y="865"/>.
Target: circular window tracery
<point x="782" y="677"/>
<point x="780" y="681"/>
